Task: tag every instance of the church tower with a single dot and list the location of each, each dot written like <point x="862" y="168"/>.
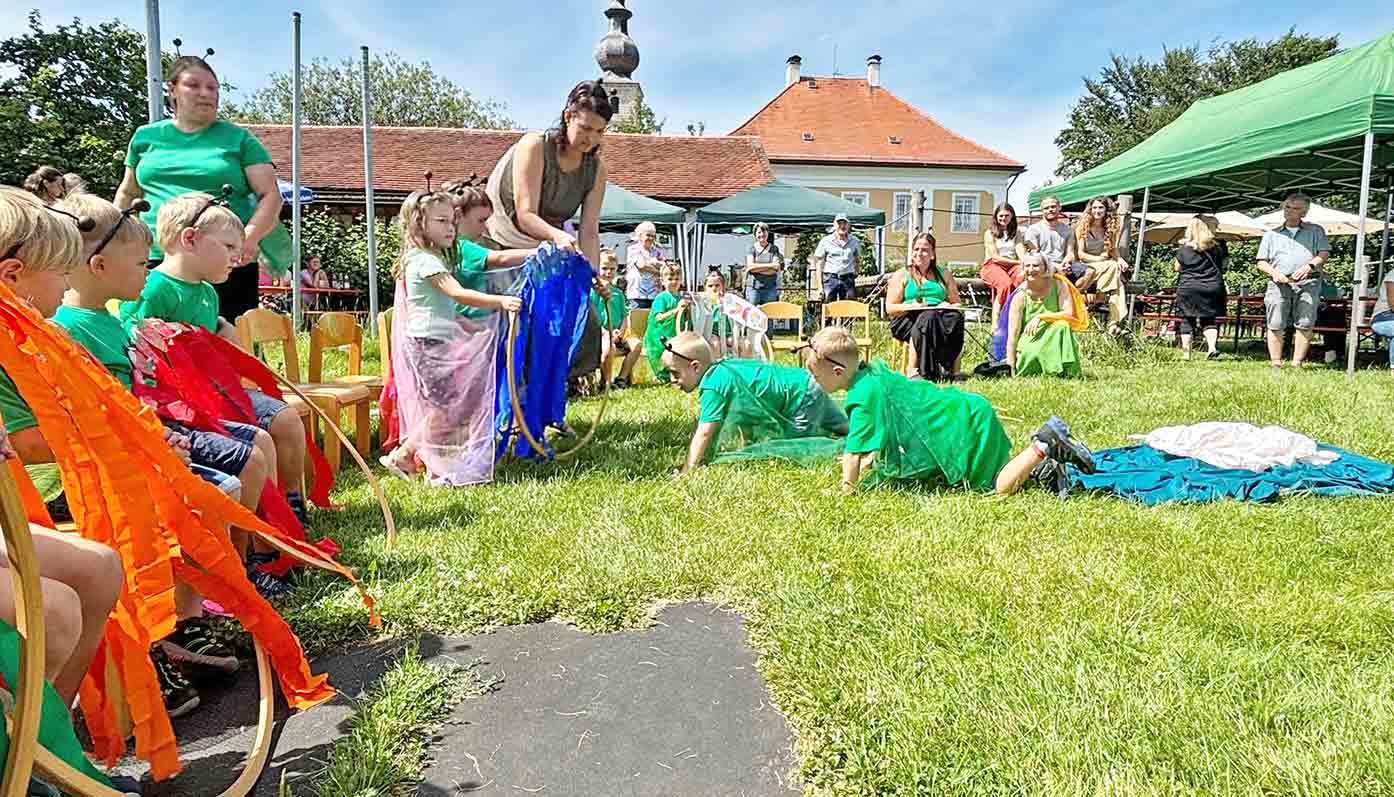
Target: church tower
<point x="618" y="57"/>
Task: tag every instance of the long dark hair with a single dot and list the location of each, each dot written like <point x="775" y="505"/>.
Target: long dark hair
<point x="588" y="95"/>
<point x="998" y="229"/>
<point x="182" y="64"/>
<point x="36" y="183"/>
<point x="933" y="261"/>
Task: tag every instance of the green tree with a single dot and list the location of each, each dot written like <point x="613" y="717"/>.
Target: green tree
<point x="404" y="95"/>
<point x="71" y="98"/>
<point x="643" y="120"/>
<point x="1133" y="97"/>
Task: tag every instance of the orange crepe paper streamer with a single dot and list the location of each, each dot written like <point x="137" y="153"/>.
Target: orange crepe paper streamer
<point x="128" y="490"/>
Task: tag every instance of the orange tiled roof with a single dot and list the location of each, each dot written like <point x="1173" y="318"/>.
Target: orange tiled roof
<point x="853" y="123"/>
<point x="670" y="168"/>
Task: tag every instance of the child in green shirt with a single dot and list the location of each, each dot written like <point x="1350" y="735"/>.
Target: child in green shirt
<point x="472" y="210"/>
<point x="613" y="314"/>
<point x="202" y="240"/>
<point x="905" y="429"/>
<point x="758" y="400"/>
<point x="664" y="319"/>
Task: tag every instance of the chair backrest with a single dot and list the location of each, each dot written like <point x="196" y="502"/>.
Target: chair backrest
<point x="335" y="331"/>
<point x="263" y="326"/>
<point x="784" y="311"/>
<point x="638" y="322"/>
<point x="385" y="343"/>
<point x="113" y="306"/>
<point x="844" y="309"/>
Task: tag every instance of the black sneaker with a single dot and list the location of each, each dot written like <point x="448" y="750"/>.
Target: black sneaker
<point x="1054" y="434"/>
<point x="179" y="695"/>
<point x="193" y="645"/>
<point x="1054" y="477"/>
<point x="126" y="784"/>
<point x="620" y="383"/>
<point x="297" y="506"/>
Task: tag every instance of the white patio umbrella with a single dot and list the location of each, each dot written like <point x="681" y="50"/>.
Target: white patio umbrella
<point x="1168" y="228"/>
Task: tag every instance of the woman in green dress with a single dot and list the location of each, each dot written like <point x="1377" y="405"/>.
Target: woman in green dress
<point x="1046" y="311"/>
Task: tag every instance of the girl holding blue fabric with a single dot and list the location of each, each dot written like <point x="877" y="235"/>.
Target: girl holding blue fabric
<point x="197" y="151"/>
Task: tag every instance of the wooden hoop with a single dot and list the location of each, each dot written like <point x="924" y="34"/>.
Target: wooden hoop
<point x="29" y="623"/>
<point x="518" y="406"/>
<point x="353" y="452"/>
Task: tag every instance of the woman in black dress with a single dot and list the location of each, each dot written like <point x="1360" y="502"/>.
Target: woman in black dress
<point x="1200" y="284"/>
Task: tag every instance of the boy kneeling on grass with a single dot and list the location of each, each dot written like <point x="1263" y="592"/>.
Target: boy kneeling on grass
<point x="759" y="399"/>
<point x="914" y="430"/>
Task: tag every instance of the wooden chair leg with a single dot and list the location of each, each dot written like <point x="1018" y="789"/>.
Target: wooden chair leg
<point x="333" y="449"/>
<point x="362" y="430"/>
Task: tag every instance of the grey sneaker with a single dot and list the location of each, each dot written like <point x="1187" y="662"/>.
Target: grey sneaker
<point x="1054" y="434"/>
<point x="1054" y="477"/>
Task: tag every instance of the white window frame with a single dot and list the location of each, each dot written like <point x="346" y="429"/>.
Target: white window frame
<point x="899" y="224"/>
<point x="972" y="225"/>
<point x="864" y="196"/>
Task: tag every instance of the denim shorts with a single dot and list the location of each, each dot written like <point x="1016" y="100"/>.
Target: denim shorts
<point x="227" y="453"/>
<point x="265" y="408"/>
<point x="230" y="485"/>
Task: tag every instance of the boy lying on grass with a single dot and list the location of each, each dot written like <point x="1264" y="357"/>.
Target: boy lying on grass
<point x="759" y="400"/>
<point x="914" y="430"/>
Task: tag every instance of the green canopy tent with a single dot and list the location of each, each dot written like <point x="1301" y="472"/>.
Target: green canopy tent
<point x="1321" y="129"/>
<point x="623" y="210"/>
<point x="786" y="208"/>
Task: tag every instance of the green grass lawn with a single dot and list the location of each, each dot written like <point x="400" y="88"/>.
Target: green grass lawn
<point x="940" y="642"/>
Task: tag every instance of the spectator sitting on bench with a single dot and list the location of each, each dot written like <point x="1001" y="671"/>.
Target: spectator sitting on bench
<point x="1382" y="322"/>
<point x="1292" y="256"/>
<point x="1103" y="270"/>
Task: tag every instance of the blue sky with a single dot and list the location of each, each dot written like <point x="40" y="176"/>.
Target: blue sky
<point x="1003" y="73"/>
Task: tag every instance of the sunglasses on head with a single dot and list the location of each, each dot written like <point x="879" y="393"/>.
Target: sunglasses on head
<point x="84" y="224"/>
<point x="138" y="206"/>
<point x="220" y="201"/>
<point x="819" y="355"/>
<point x="668" y="347"/>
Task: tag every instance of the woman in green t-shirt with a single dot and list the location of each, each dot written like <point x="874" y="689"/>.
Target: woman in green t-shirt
<point x="197" y="151"/>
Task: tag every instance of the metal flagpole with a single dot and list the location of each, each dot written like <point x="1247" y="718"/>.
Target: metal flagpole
<point x="1141" y="243"/>
<point x="295" y="297"/>
<point x="369" y="209"/>
<point x="1358" y="290"/>
<point x="154" y="70"/>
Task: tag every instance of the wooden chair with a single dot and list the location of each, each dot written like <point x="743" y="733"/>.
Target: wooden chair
<point x="263" y="326"/>
<point x="385" y="343"/>
<point x="783" y="311"/>
<point x="637" y="322"/>
<point x="845" y="310"/>
<point x="338" y="330"/>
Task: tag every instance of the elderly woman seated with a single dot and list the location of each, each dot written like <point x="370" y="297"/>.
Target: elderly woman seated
<point x="1045" y="313"/>
<point x="922" y="301"/>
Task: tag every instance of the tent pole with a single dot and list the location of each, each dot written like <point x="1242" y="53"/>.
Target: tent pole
<point x="1358" y="289"/>
<point x="370" y="210"/>
<point x="154" y="69"/>
<point x="1141" y="243"/>
<point x="295" y="299"/>
<point x="1388" y="211"/>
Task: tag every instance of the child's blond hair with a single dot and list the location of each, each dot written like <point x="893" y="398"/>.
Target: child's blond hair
<point x="182" y="211"/>
<point x="129" y="229"/>
<point x="692" y="346"/>
<point x="608" y="256"/>
<point x="837" y="343"/>
<point x="48" y="240"/>
<point x="411" y="222"/>
<point x="669" y="268"/>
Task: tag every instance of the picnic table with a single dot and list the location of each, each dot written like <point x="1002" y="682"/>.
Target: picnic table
<point x="1245" y="315"/>
<point x="346" y="300"/>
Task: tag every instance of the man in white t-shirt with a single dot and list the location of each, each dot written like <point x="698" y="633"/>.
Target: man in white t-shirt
<point x="836" y="259"/>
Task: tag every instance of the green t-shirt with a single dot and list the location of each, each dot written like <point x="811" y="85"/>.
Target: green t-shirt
<point x="610" y="315"/>
<point x="863" y="407"/>
<point x="171" y="299"/>
<point x="780" y="389"/>
<point x="14" y="409"/>
<point x="102" y="335"/>
<point x="169" y="162"/>
<point x="432" y="312"/>
<point x="469" y="272"/>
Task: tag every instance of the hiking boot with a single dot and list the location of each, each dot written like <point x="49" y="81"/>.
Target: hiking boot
<point x="179" y="695"/>
<point x="1054" y="477"/>
<point x="193" y="645"/>
<point x="1054" y="434"/>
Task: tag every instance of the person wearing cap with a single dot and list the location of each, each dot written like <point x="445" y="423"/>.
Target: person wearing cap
<point x="836" y="259"/>
<point x="642" y="263"/>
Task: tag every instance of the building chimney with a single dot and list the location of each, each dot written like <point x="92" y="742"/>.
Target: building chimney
<point x="873" y="71"/>
<point x="791" y="70"/>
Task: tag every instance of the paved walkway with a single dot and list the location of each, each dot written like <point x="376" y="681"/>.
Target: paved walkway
<point x="674" y="709"/>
